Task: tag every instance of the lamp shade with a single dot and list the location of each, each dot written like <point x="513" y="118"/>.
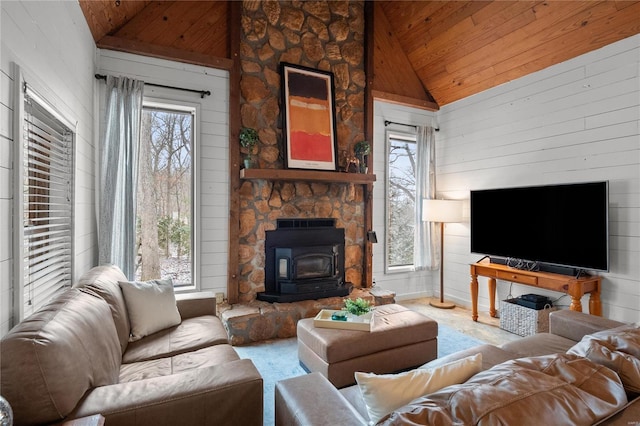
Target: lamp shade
<point x="441" y="211"/>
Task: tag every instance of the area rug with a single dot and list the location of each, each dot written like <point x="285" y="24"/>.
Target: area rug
<point x="278" y="360"/>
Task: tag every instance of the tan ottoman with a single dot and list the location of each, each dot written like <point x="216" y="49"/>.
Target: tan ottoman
<point x="399" y="339"/>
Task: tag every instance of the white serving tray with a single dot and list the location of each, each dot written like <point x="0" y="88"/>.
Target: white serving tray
<point x="323" y="320"/>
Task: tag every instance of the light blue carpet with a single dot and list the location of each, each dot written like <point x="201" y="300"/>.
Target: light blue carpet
<point x="278" y="360"/>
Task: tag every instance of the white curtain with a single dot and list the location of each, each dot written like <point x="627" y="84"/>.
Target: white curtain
<point x="426" y="239"/>
<point x="119" y="173"/>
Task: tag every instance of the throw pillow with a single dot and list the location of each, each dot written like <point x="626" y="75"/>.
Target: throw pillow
<point x="151" y="306"/>
<point x="618" y="349"/>
<point x="384" y="393"/>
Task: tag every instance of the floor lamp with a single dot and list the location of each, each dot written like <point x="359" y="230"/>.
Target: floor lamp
<point x="442" y="211"/>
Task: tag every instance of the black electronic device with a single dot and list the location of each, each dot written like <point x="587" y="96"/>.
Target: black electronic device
<point x="563" y="227"/>
<point x="534" y="301"/>
<point x="534" y="298"/>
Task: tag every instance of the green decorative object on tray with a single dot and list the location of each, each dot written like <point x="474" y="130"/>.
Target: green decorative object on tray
<point x="357" y="307"/>
<point x="339" y="316"/>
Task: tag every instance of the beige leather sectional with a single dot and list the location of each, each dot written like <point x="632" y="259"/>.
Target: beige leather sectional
<point x="73" y="358"/>
<point x="536" y="380"/>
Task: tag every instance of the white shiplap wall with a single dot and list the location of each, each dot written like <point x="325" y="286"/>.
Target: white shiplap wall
<point x="212" y="145"/>
<point x="573" y="122"/>
<point x="51" y="43"/>
<point x="406" y="284"/>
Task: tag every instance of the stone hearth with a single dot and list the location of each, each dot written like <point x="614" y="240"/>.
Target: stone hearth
<point x="257" y="320"/>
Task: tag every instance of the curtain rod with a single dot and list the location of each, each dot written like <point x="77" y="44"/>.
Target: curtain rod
<point x="202" y="93"/>
<point x="386" y="123"/>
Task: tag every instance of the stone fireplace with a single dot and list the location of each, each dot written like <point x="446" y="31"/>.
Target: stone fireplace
<point x="304" y="259"/>
<point x="328" y="36"/>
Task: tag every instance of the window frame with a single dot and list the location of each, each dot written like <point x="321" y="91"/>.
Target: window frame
<point x="28" y="86"/>
<point x="398" y="135"/>
<point x="168" y="103"/>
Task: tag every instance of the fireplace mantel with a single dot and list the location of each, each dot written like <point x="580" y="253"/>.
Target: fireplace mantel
<point x="307" y="175"/>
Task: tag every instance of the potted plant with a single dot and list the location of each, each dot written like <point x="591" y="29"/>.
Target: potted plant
<point x="361" y="149"/>
<point x="248" y="140"/>
<point x="356" y="308"/>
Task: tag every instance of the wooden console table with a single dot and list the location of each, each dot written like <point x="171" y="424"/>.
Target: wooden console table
<point x="574" y="287"/>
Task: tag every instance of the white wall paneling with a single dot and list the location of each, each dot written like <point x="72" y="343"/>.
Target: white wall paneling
<point x="576" y="121"/>
<point x="52" y="45"/>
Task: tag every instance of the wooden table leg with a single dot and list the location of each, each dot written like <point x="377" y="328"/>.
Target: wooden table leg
<point x="595" y="306"/>
<point x="474" y="297"/>
<point x="575" y="291"/>
<point x="576" y="304"/>
<point x="492" y="297"/>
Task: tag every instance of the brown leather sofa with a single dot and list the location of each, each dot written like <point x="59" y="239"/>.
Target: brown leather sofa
<point x="73" y="358"/>
<point x="529" y="381"/>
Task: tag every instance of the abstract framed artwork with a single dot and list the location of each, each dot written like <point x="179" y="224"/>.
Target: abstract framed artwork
<point x="309" y="118"/>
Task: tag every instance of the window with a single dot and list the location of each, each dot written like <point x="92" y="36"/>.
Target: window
<point x="46" y="203"/>
<point x="165" y="197"/>
<point x="401" y="200"/>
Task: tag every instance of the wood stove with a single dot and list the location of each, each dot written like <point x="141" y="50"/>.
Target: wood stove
<point x="304" y="259"/>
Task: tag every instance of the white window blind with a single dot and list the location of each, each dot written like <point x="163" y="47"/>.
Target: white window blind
<point x="47" y="198"/>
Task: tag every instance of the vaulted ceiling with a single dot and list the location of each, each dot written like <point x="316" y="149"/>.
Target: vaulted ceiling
<point x="426" y="53"/>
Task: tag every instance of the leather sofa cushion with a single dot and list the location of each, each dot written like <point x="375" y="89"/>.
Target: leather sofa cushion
<point x="53" y="357"/>
<point x="103" y="280"/>
<point x="618" y="349"/>
<point x="491" y="355"/>
<point x="191" y="334"/>
<point x="354" y="396"/>
<point x="206" y="357"/>
<point x="539" y="344"/>
<point x="224" y="394"/>
<point x="574" y="325"/>
<point x="536" y="390"/>
<point x="304" y="401"/>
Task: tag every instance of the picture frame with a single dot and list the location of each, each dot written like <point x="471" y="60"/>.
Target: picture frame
<point x="309" y="127"/>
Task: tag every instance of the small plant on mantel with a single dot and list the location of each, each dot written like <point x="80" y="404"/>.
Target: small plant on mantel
<point x="362" y="149"/>
<point x="248" y="140"/>
<point x="357" y="307"/>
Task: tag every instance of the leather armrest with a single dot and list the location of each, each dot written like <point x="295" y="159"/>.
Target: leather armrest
<point x="574" y="325"/>
<point x="191" y="305"/>
<point x="230" y="393"/>
<point x="312" y="400"/>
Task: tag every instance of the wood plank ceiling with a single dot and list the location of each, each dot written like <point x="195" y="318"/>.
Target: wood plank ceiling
<point x="459" y="48"/>
<point x="185" y="31"/>
<point x="426" y="53"/>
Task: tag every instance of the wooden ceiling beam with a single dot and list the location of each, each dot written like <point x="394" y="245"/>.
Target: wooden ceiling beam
<point x="163" y="52"/>
<point x="404" y="100"/>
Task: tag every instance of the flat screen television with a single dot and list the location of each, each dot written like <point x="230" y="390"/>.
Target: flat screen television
<point x="558" y="225"/>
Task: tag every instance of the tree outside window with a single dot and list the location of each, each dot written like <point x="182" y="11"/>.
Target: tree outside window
<point x="165" y="196"/>
<point x="401" y="200"/>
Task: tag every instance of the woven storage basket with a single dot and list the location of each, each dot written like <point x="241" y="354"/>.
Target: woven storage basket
<point x="523" y="321"/>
